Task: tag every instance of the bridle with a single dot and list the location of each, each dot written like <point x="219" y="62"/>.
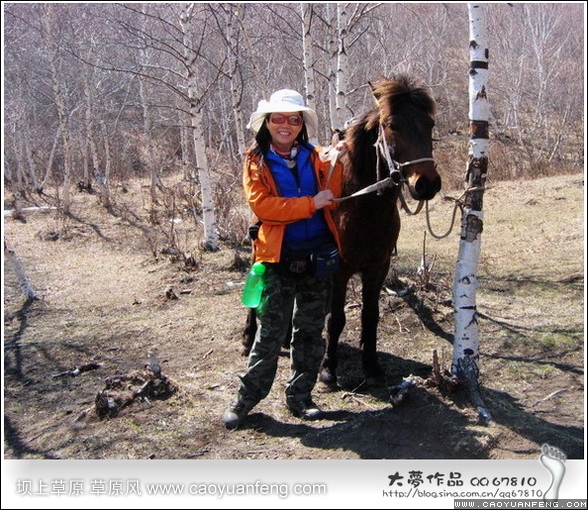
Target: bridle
<point x="395" y="177"/>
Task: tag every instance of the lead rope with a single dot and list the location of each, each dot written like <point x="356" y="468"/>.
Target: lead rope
<point x="459" y="203"/>
<point x="405" y="205"/>
<point x="427" y="216"/>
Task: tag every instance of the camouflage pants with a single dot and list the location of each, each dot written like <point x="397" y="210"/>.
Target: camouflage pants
<point x="306" y="299"/>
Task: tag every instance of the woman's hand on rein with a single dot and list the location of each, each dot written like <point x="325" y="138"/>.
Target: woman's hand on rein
<point x="323" y="198"/>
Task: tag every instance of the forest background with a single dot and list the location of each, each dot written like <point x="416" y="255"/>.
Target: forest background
<point x="97" y="94"/>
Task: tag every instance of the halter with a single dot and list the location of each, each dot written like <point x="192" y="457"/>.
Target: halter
<point x="394" y="179"/>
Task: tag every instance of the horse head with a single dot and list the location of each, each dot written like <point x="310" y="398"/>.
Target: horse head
<point x="405" y="118"/>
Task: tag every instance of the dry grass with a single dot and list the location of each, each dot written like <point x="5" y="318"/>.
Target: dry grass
<point x="107" y="299"/>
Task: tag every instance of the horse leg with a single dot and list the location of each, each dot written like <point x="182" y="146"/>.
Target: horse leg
<point x="335" y="325"/>
<point x="248" y="335"/>
<point x="370" y="316"/>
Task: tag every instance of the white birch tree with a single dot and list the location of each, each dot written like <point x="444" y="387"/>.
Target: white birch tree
<point x="231" y="13"/>
<point x="90" y="149"/>
<point x="59" y="97"/>
<point x="466" y="342"/>
<point x="190" y="58"/>
<point x="342" y="65"/>
<point x="105" y="184"/>
<point x="331" y="48"/>
<point x="341" y="24"/>
<point x="23" y="281"/>
<point x="307" y="57"/>
<point x="145" y="63"/>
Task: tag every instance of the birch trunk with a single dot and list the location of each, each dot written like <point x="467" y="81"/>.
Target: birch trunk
<point x="342" y="64"/>
<point x="23" y="282"/>
<point x="466" y="341"/>
<point x="145" y="53"/>
<point x="28" y="155"/>
<point x="59" y="96"/>
<point x="308" y="60"/>
<point x="149" y="151"/>
<point x="105" y="185"/>
<point x="16" y="174"/>
<point x="185" y="144"/>
<point x="17" y="179"/>
<point x="232" y="50"/>
<point x="258" y="82"/>
<point x="49" y="165"/>
<point x="332" y="52"/>
<point x="210" y="231"/>
<point x="40" y="183"/>
<point x="90" y="141"/>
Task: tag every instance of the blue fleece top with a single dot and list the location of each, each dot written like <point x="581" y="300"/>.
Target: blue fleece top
<point x="299" y="181"/>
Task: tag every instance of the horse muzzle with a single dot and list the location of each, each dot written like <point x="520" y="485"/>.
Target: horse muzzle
<point x="424" y="187"/>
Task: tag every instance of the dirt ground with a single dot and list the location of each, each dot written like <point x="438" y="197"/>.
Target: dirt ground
<point x="106" y="303"/>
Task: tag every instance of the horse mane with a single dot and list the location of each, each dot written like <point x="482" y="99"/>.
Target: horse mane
<point x="391" y="95"/>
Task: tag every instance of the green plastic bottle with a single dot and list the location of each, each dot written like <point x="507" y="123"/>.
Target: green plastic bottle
<point x="253" y="286"/>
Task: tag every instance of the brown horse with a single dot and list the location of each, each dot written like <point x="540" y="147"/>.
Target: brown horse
<point x="388" y="146"/>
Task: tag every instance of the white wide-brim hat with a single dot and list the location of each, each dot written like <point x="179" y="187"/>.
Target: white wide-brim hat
<point x="284" y="100"/>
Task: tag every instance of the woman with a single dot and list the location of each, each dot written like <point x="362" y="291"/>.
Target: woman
<point x="290" y="186"/>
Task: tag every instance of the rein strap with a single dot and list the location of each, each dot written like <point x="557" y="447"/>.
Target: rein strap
<point x="377" y="186"/>
<point x="395" y="178"/>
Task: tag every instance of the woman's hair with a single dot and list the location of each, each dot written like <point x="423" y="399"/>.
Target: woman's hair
<point x="263" y="138"/>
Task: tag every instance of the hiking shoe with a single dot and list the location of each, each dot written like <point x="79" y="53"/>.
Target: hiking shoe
<point x="303" y="408"/>
<point x="236" y="414"/>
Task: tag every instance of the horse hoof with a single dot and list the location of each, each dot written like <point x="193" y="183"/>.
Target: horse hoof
<point x="374" y="381"/>
<point x="328" y="379"/>
<point x="375" y="378"/>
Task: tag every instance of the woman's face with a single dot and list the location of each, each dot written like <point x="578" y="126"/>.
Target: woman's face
<point x="284" y="128"/>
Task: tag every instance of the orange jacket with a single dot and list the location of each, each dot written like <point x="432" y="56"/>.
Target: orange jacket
<point x="276" y="212"/>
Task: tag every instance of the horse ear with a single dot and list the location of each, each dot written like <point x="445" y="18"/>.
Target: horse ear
<point x="373" y="88"/>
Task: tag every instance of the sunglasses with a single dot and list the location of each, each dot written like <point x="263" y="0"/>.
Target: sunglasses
<point x="293" y="120"/>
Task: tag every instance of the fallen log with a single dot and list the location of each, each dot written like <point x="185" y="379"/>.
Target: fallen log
<point x="14" y="212"/>
<point x="78" y="370"/>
